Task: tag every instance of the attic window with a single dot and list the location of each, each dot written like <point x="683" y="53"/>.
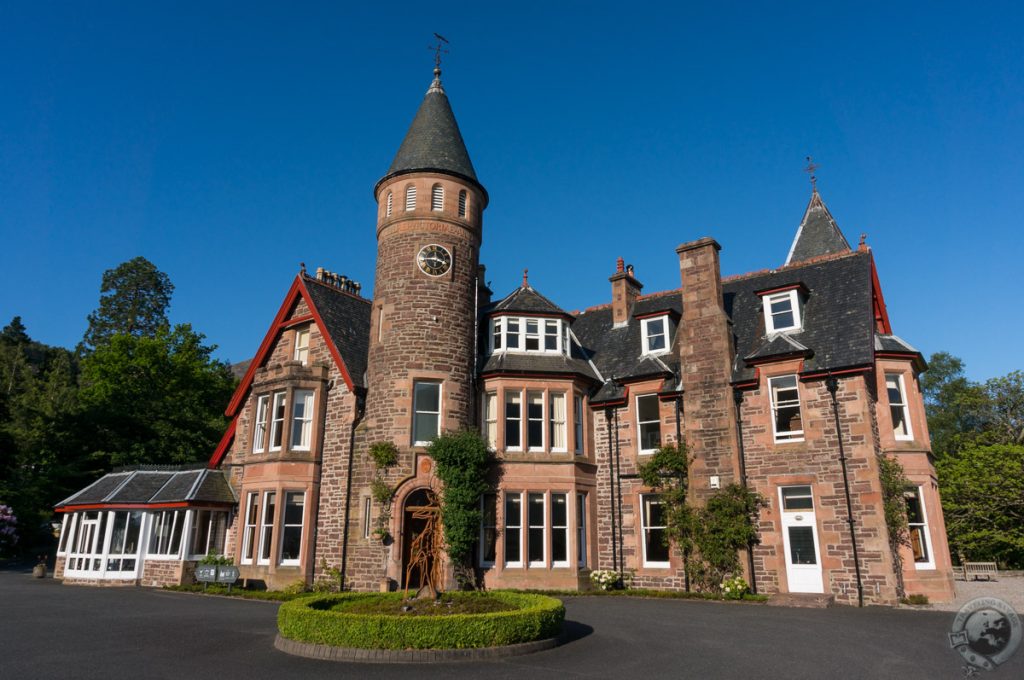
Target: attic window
<point x="782" y="311"/>
<point x="437" y="198"/>
<point x="655" y="334"/>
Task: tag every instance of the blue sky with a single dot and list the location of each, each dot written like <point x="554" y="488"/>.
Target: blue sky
<point x="229" y="142"/>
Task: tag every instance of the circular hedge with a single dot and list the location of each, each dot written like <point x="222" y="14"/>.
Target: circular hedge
<point x="314" y="620"/>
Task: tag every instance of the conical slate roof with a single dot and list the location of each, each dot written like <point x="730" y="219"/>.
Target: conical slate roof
<point x="433" y="141"/>
<point x="818" y="233"/>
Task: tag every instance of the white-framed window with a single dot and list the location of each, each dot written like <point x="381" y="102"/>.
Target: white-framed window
<point x="581" y="529"/>
<point x="652" y="525"/>
<point x="556" y="422"/>
<point x="577" y="422"/>
<point x="513" y="529"/>
<point x="559" y="530"/>
<point x="391" y="202"/>
<point x="537" y="526"/>
<point x="207" y="533"/>
<point x="491" y="419"/>
<point x="534" y="421"/>
<point x="917" y="522"/>
<point x="302" y="420"/>
<point x="437" y="198"/>
<point x="291" y="528"/>
<point x="367" y="517"/>
<point x="277" y="421"/>
<point x="249" y="530"/>
<point x="648" y="422"/>
<point x="426" y="425"/>
<point x="900" y="414"/>
<point x="302" y="345"/>
<point x="787" y="423"/>
<point x="655" y="334"/>
<point x="410" y="198"/>
<point x="165" y="533"/>
<point x="267" y="526"/>
<point x="513" y="421"/>
<point x="488" y="529"/>
<point x="462" y="203"/>
<point x="527" y="334"/>
<point x="124" y="541"/>
<point x="782" y="311"/>
<point x="67" y="530"/>
<point x="259" y="428"/>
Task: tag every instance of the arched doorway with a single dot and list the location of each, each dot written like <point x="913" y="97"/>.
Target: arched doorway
<point x="421" y="537"/>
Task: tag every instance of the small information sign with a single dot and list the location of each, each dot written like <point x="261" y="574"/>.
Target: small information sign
<point x="212" y="573"/>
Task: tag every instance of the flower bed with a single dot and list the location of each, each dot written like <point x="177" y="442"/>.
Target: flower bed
<point x="328" y="620"/>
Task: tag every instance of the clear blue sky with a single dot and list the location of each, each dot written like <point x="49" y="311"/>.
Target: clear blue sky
<point x="227" y="142"/>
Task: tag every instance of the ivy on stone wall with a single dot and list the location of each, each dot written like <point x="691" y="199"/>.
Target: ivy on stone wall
<point x="894" y="486"/>
<point x="461" y="461"/>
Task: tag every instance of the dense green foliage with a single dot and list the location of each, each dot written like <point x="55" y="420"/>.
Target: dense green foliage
<point x="983" y="503"/>
<point x="894" y="486"/>
<point x="725" y="525"/>
<point x="139" y="392"/>
<point x="384" y="454"/>
<point x="154" y="399"/>
<point x="315" y="619"/>
<point x="666" y="471"/>
<point x="977" y="432"/>
<point x="462" y="461"/>
<point x="134" y="298"/>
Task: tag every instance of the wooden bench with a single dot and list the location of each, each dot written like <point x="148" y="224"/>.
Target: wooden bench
<point x="973" y="571"/>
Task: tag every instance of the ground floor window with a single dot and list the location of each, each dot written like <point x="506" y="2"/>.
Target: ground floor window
<point x="165" y="533"/>
<point x="581" y="529"/>
<point x="537" y="524"/>
<point x="207" y="533"/>
<point x="652" y="525"/>
<point x="513" y="530"/>
<point x="917" y="522"/>
<point x="267" y="526"/>
<point x="291" y="527"/>
<point x="488" y="528"/>
<point x="124" y="541"/>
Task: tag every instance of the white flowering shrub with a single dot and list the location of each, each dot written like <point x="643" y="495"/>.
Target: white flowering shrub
<point x="605" y="579"/>
<point x="734" y="588"/>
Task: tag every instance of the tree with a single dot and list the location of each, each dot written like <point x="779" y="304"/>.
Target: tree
<point x="1006" y="407"/>
<point x="983" y="502"/>
<point x="462" y="462"/>
<point x="954" y="405"/>
<point x="153" y="400"/>
<point x="134" y="297"/>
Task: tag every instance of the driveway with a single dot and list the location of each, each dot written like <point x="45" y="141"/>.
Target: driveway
<point x="48" y="630"/>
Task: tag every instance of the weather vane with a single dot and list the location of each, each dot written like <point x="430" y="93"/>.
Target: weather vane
<point x="438" y="50"/>
<point x="810" y="170"/>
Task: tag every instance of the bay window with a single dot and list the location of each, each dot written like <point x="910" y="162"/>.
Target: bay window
<point x="513" y="530"/>
<point x="277" y="422"/>
<point x="581" y="529"/>
<point x="267" y="527"/>
<point x="536" y="529"/>
<point x="488" y="528"/>
<point x="526" y="334"/>
<point x="577" y="415"/>
<point x="491" y="419"/>
<point x="535" y="421"/>
<point x="249" y="530"/>
<point x="513" y="420"/>
<point x="559" y="530"/>
<point x="556" y="422"/>
<point x="917" y="523"/>
<point x="259" y="431"/>
<point x="302" y="419"/>
<point x="291" y="527"/>
<point x="898" y="410"/>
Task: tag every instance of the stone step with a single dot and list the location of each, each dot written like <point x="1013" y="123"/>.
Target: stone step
<point x="810" y="600"/>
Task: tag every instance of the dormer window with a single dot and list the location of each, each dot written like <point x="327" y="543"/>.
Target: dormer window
<point x="525" y="334"/>
<point x="782" y="311"/>
<point x="655" y="334"/>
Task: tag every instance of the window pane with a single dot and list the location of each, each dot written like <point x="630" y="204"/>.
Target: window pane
<point x="489" y="521"/>
<point x="557" y="419"/>
<point x="428" y="396"/>
<point x="425" y="426"/>
<point x="291" y="540"/>
<point x="797" y="498"/>
<point x="581" y="528"/>
<point x="536" y="532"/>
<point x="513" y="415"/>
<point x="801" y="545"/>
<point x="513" y="522"/>
<point x="647" y="407"/>
<point x="535" y="415"/>
<point x="657" y="551"/>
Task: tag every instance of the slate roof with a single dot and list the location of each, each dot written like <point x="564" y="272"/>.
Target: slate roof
<point x="893" y="343"/>
<point x="617" y="352"/>
<point x="347" y="320"/>
<point x="779" y="345"/>
<point x="433" y="141"/>
<point x="149" y="485"/>
<point x="525" y="299"/>
<point x="512" y="362"/>
<point x="818" y="233"/>
<point x="838" y="323"/>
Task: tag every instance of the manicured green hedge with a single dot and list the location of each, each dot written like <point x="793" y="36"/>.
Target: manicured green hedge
<point x="310" y="619"/>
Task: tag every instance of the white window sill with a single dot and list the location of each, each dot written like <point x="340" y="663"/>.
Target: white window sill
<point x="795" y="440"/>
<point x="657" y="565"/>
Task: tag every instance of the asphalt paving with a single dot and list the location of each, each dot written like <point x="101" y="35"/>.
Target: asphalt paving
<point x="50" y="630"/>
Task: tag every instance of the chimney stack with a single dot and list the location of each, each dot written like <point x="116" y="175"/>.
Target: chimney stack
<point x="625" y="290"/>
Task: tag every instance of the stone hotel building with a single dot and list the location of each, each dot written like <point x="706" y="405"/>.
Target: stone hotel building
<point x="789" y="379"/>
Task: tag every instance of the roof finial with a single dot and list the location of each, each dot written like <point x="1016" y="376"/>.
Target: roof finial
<point x="302" y="268"/>
<point x="526" y="283"/>
<point x="863" y="245"/>
<point x="438" y="50"/>
<point x="810" y="170"/>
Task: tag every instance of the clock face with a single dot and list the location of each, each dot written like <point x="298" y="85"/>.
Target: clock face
<point x="434" y="260"/>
